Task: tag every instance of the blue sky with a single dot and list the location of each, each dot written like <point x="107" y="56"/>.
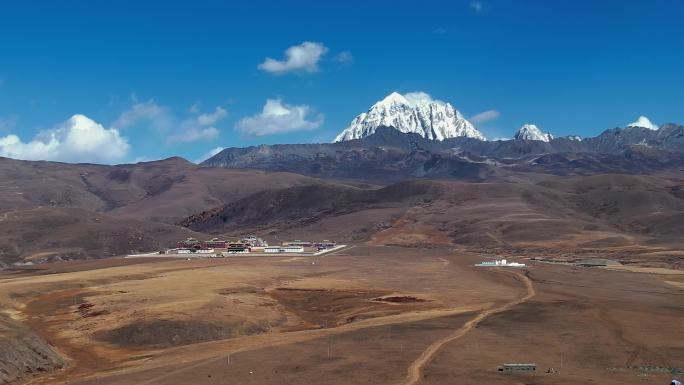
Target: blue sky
<point x="153" y="80"/>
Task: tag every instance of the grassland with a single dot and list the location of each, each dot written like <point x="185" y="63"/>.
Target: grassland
<point x="385" y="315"/>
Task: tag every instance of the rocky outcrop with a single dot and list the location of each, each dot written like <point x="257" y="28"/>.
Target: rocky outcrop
<point x="24" y="354"/>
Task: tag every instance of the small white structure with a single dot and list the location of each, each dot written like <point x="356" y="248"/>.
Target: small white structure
<point x="272" y="249"/>
<point x="499" y="263"/>
<point x="205" y="251"/>
<point x="293" y="249"/>
<point x="518" y="368"/>
<point x="178" y="251"/>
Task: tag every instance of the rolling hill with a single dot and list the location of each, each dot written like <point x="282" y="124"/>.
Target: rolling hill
<point x="610" y="213"/>
<point x="54" y="211"/>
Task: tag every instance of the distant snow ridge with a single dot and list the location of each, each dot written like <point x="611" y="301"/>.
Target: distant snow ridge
<point x="532" y="132"/>
<point x="643" y="122"/>
<point x="414" y="112"/>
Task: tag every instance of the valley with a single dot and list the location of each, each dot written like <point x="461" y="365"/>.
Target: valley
<point x="341" y="192"/>
<point x="600" y="235"/>
<point x="276" y="320"/>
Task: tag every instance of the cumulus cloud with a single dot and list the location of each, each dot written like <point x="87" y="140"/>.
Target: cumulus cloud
<point x="421" y="97"/>
<point x="298" y="58"/>
<point x="485" y="116"/>
<point x="277" y="117"/>
<point x="79" y="139"/>
<point x="644" y="122"/>
<point x="209" y="154"/>
<point x="211" y="118"/>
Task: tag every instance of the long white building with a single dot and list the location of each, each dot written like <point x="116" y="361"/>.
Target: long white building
<point x="499" y="263"/>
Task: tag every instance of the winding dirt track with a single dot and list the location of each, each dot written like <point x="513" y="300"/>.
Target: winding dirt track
<point x="416" y="369"/>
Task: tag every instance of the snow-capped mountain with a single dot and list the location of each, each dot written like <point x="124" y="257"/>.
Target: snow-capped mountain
<point x="414" y="112"/>
<point x="643" y="122"/>
<point x="532" y="132"/>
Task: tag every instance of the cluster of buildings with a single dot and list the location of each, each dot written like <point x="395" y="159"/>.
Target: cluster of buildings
<point x="300" y="247"/>
<point x="244" y="245"/>
<point x="250" y="244"/>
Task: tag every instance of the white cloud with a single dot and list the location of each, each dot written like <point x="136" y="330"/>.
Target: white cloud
<point x="476" y="6"/>
<point x="209" y="154"/>
<point x="193" y="134"/>
<point x="149" y="111"/>
<point x="140" y="159"/>
<point x="276" y="118"/>
<point x="193" y="127"/>
<point x="211" y="118"/>
<point x="303" y="57"/>
<point x="644" y="122"/>
<point x="79" y="139"/>
<point x="485" y="116"/>
<point x="421" y="97"/>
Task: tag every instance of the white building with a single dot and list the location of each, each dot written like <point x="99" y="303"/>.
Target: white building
<point x="293" y="249"/>
<point x="499" y="263"/>
<point x="272" y="249"/>
<point x="255" y="241"/>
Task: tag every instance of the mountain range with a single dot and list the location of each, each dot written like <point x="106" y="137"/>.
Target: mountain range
<point x="433" y="180"/>
<point x="58" y="211"/>
<point x="415" y="112"/>
<point x="390" y="155"/>
<point x="413" y="135"/>
<point x="419" y="113"/>
<point x="532" y="132"/>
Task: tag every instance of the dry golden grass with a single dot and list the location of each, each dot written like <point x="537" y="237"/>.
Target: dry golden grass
<point x="281" y="314"/>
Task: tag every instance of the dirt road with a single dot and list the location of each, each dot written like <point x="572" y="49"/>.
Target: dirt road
<point x="207" y="353"/>
<point x="416" y="369"/>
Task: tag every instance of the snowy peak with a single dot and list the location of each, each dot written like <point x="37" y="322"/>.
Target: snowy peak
<point x="391" y="99"/>
<point x="643" y="122"/>
<point x="532" y="132"/>
<point x="414" y="112"/>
